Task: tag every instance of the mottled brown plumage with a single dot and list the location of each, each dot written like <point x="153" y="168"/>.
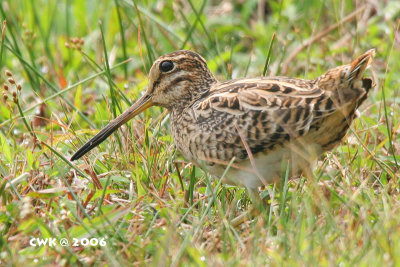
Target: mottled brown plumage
<point x="261" y="122"/>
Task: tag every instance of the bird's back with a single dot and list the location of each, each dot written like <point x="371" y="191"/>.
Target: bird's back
<point x="261" y="121"/>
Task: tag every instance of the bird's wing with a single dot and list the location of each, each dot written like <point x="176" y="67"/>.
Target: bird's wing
<point x="266" y="111"/>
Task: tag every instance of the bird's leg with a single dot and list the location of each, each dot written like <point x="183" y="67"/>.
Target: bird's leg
<point x="258" y="206"/>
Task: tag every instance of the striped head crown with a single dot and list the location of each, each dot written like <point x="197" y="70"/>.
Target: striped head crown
<point x="179" y="78"/>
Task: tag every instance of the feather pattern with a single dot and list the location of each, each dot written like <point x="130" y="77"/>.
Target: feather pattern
<point x="272" y="115"/>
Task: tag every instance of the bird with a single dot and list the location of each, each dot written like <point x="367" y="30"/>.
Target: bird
<point x="248" y="128"/>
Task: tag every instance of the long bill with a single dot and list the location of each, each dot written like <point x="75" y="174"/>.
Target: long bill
<point x="140" y="105"/>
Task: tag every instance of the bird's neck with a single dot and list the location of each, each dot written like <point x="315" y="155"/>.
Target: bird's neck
<point x="196" y="92"/>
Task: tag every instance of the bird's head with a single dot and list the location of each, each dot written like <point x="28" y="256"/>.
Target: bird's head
<point x="176" y="80"/>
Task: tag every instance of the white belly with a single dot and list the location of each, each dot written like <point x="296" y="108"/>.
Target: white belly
<point x="268" y="166"/>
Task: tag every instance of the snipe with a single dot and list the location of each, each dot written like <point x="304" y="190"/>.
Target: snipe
<point x="261" y="122"/>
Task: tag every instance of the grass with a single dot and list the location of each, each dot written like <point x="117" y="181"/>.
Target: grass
<point x="81" y="63"/>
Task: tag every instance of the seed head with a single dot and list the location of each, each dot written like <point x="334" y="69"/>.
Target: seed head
<point x="15" y="98"/>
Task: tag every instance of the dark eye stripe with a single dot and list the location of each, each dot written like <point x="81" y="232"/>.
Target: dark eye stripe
<point x="181" y="78"/>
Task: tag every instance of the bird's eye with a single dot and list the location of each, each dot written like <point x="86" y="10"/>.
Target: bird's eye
<point x="166" y="66"/>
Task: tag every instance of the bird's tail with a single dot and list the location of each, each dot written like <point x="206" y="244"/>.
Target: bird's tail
<point x="358" y="66"/>
<point x="346" y="82"/>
